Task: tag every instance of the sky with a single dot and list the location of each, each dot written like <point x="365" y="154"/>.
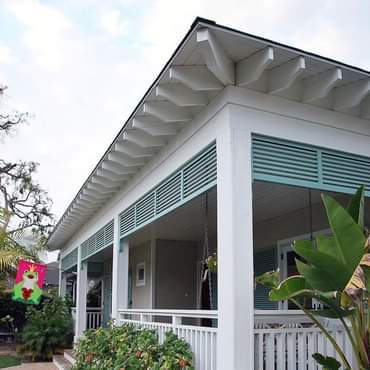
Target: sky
<point x="79" y="67"/>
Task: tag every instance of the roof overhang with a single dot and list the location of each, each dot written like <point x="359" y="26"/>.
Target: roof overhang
<point x="209" y="58"/>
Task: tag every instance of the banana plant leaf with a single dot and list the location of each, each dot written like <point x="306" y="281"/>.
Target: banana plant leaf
<point x="333" y="274"/>
<point x="356" y="206"/>
<point x="348" y="234"/>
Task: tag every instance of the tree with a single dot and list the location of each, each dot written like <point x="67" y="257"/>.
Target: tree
<point x="10" y="120"/>
<point x="24" y="204"/>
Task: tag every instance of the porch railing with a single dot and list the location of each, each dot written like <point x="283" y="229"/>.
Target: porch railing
<point x="94" y="317"/>
<point x="197" y="327"/>
<point x="286" y="340"/>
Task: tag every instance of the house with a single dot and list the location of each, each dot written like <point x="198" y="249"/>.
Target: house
<point x="226" y="155"/>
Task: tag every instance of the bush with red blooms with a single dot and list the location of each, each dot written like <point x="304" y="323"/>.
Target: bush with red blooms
<point x="130" y="348"/>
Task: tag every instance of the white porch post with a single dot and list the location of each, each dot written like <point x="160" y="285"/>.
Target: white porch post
<point x="81" y="297"/>
<point x="62" y="284"/>
<point x="235" y="347"/>
<point x="62" y="281"/>
<point x="119" y="271"/>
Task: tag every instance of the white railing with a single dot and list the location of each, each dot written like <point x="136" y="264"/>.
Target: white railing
<point x="286" y="340"/>
<point x="94" y="317"/>
<point x="187" y="324"/>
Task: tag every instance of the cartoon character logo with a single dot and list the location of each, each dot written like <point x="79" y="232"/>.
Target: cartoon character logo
<point x="28" y="288"/>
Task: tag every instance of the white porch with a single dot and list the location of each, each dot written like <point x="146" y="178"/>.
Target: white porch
<point x="165" y="295"/>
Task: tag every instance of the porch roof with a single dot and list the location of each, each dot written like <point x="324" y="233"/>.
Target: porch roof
<point x="209" y="58"/>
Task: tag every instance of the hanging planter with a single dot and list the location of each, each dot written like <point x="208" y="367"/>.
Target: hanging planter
<point x="212" y="263"/>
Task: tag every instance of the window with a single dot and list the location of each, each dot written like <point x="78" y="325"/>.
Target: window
<point x="140" y="274"/>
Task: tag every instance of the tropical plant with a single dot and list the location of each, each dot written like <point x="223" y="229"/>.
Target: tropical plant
<point x="11" y="249"/>
<point x="47" y="328"/>
<point x="130" y="348"/>
<point x="335" y="271"/>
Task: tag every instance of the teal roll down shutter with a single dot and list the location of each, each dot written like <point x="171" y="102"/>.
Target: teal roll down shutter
<point x="293" y="163"/>
<point x="264" y="261"/>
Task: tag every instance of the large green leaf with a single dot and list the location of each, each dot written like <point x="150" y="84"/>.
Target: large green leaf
<point x="315" y="277"/>
<point x="328" y="266"/>
<point x="327" y="244"/>
<point x="348" y="235"/>
<point x="356" y="206"/>
<point x="291" y="287"/>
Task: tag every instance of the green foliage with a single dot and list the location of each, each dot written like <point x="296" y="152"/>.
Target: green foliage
<point x="47" y="328"/>
<point x="327" y="363"/>
<point x="335" y="271"/>
<point x="130" y="348"/>
<point x="16" y="310"/>
<point x="8" y="361"/>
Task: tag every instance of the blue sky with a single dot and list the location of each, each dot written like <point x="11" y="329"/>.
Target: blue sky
<point x="80" y="66"/>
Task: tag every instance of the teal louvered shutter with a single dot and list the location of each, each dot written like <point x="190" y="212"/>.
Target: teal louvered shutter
<point x="70" y="260"/>
<point x="195" y="177"/>
<point x="292" y="163"/>
<point x="264" y="261"/>
<point x="103" y="238"/>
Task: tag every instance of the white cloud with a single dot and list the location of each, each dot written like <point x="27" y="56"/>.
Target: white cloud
<point x="113" y="23"/>
<point x="45" y="30"/>
<point x="6" y="55"/>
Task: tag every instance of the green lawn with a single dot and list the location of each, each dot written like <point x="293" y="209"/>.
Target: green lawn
<point x="7" y="361"/>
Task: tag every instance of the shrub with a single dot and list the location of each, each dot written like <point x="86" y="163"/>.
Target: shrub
<point x="15" y="310"/>
<point x="47" y="328"/>
<point x="130" y="348"/>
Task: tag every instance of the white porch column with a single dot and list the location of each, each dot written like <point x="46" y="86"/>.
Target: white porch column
<point x="119" y="271"/>
<point x="235" y="347"/>
<point x="62" y="283"/>
<point x="81" y="297"/>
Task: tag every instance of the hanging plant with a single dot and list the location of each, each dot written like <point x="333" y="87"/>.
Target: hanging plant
<point x="212" y="263"/>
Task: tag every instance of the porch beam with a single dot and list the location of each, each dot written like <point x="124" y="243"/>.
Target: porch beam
<point x="282" y="77"/>
<point x="215" y="57"/>
<point x="251" y="68"/>
<point x="101" y="189"/>
<point x="167" y="112"/>
<point x="107" y="174"/>
<point x="350" y="95"/>
<point x="153" y="126"/>
<point x="319" y="86"/>
<point x="95" y="194"/>
<point x="106" y="181"/>
<point x="197" y="78"/>
<point x="181" y="95"/>
<point x="143" y="139"/>
<point x="124" y="160"/>
<point x="133" y="150"/>
<point x="118" y="169"/>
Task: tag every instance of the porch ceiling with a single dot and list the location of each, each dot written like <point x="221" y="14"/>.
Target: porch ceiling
<point x="209" y="58"/>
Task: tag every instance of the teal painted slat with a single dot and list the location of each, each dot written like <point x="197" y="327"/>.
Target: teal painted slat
<point x="192" y="179"/>
<point x="70" y="260"/>
<point x="102" y="239"/>
<point x="264" y="261"/>
<point x="291" y="163"/>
